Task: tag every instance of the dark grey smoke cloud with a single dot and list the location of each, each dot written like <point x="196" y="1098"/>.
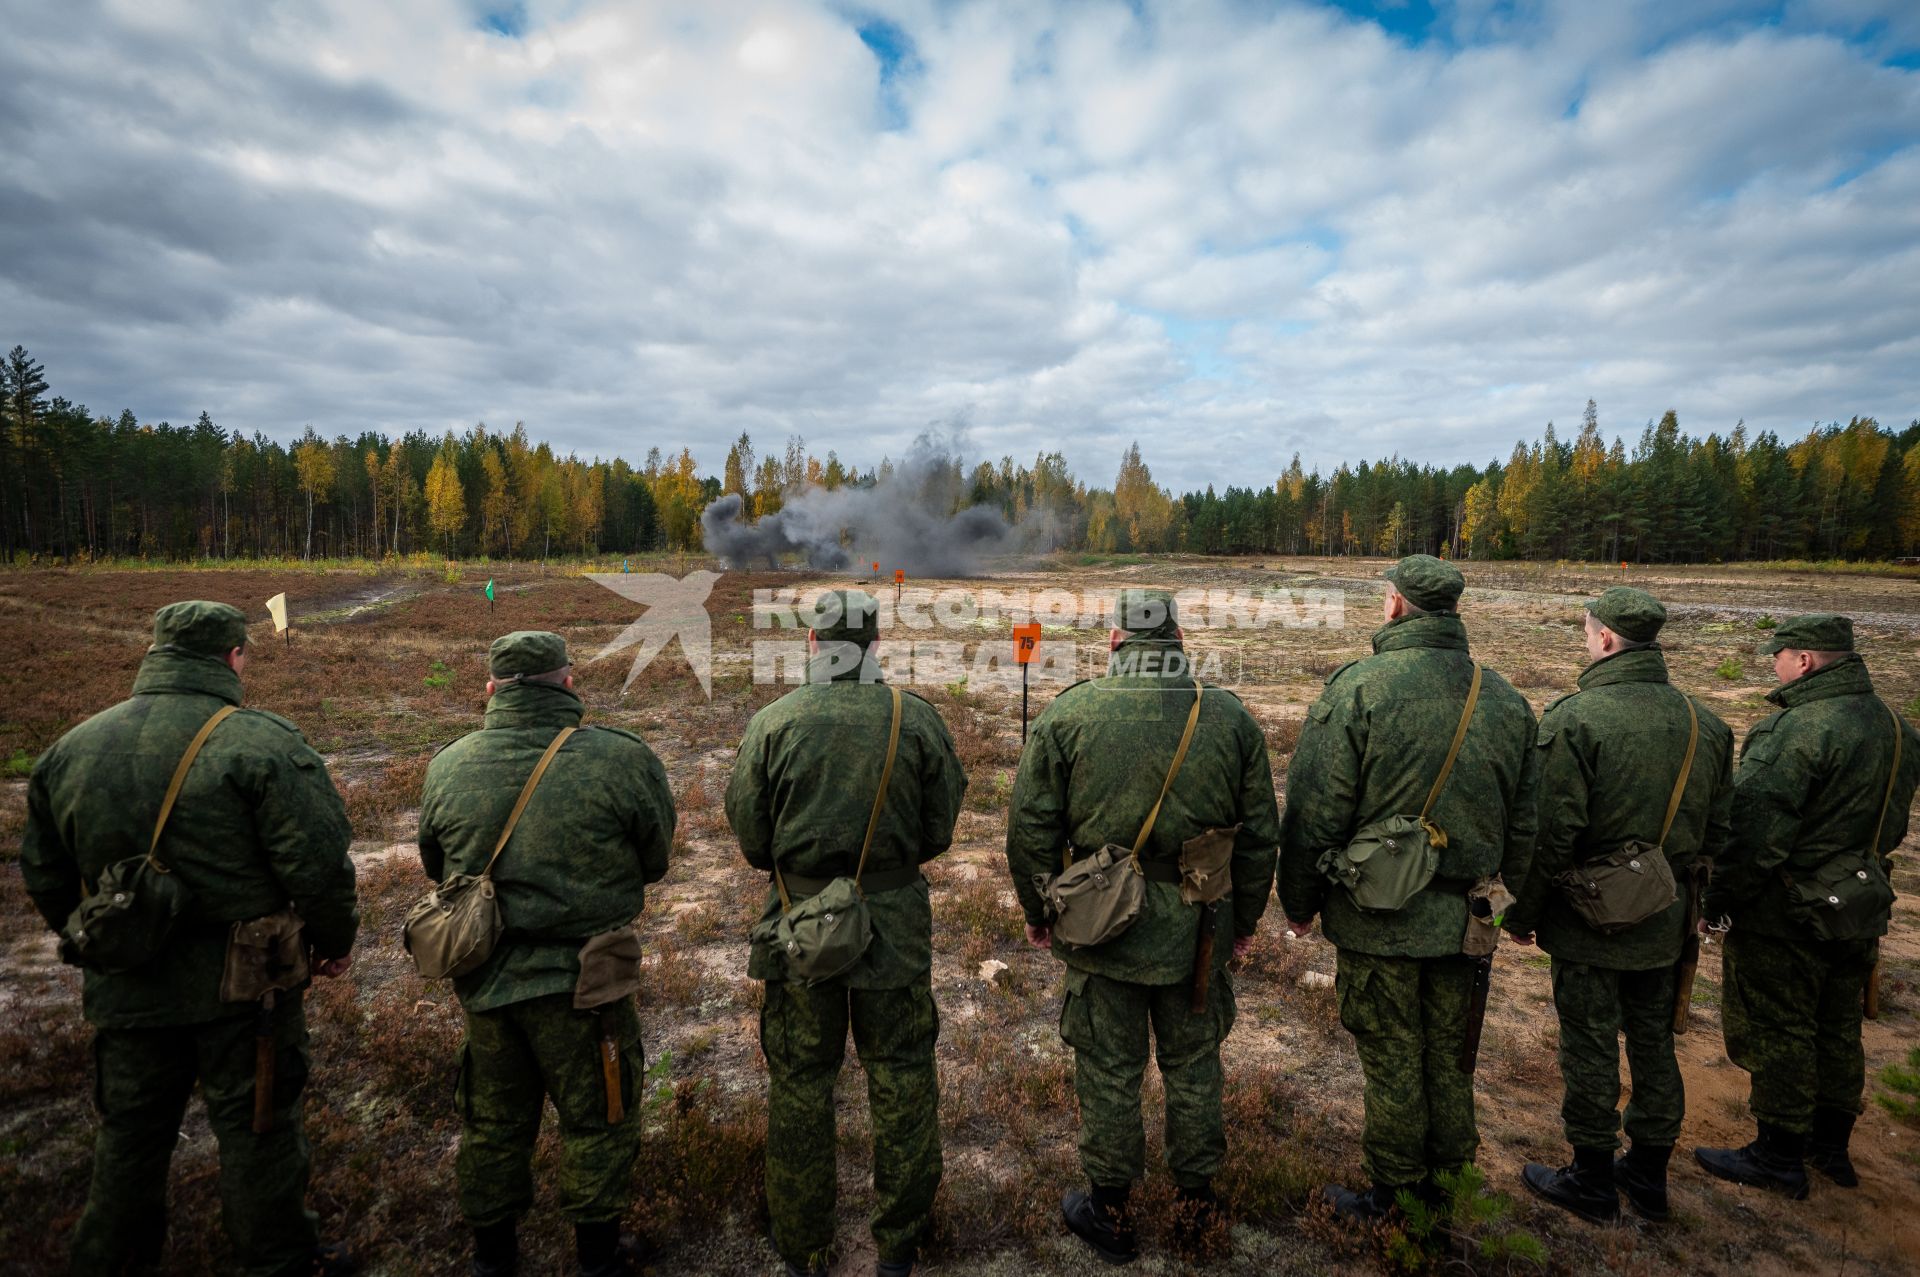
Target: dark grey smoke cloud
<point x="899" y="522"/>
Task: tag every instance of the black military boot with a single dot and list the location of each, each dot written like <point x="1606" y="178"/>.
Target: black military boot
<point x="894" y="1267"/>
<point x="1364" y="1206"/>
<point x="1584" y="1187"/>
<point x="1773" y="1161"/>
<point x="1827" y="1148"/>
<point x="1101" y="1220"/>
<point x="1196" y="1211"/>
<point x="496" y="1250"/>
<point x="330" y="1259"/>
<point x="1641" y="1174"/>
<point x="605" y="1251"/>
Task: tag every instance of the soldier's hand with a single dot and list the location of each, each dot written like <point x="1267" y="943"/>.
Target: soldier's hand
<point x="1526" y="940"/>
<point x="328" y="968"/>
<point x="1040" y="937"/>
<point x="1241" y="944"/>
<point x="1296" y="930"/>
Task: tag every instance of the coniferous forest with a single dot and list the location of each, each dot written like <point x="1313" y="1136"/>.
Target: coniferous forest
<point x="76" y="487"/>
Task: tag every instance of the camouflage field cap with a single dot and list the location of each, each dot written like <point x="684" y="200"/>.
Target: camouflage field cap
<point x="526" y="652"/>
<point x="1634" y="615"/>
<point x="1431" y="584"/>
<point x="199" y="626"/>
<point x="1815" y="632"/>
<point x="846" y="616"/>
<point x="1146" y="614"/>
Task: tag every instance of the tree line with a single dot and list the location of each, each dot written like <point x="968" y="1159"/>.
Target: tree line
<point x="75" y="486"/>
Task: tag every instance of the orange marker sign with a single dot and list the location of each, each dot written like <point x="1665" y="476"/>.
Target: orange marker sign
<point x="899" y="576"/>
<point x="1026" y="641"/>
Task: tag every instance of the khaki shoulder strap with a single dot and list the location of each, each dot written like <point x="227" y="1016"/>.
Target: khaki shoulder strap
<point x="1899" y="738"/>
<point x="1179" y="756"/>
<point x="873" y="817"/>
<point x="180" y="778"/>
<point x="526" y="792"/>
<point x="1453" y="750"/>
<point x="1686" y="770"/>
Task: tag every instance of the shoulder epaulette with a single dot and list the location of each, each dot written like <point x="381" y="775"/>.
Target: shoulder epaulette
<point x="1328" y="682"/>
<point x="268" y="715"/>
<point x="1560" y="700"/>
<point x="621" y="731"/>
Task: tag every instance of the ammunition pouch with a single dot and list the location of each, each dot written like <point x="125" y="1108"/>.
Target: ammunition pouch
<point x="1388" y="863"/>
<point x="264" y="955"/>
<point x="1487" y="904"/>
<point x="1206" y="866"/>
<point x="1846" y="898"/>
<point x="125" y="923"/>
<point x="1621" y="889"/>
<point x="609" y="969"/>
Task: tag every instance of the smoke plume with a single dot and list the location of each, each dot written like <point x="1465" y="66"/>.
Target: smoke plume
<point x="901" y="521"/>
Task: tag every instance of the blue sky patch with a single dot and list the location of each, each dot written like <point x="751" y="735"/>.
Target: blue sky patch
<point x="1409" y="20"/>
<point x="508" y="20"/>
<point x="893" y="48"/>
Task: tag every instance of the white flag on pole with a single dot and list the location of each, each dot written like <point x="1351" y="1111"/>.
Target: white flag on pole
<point x="277" y="609"/>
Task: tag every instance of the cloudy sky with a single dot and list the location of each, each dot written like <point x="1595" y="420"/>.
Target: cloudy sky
<point x="1231" y="230"/>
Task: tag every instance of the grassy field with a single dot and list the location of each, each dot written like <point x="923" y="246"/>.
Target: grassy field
<point x="387" y="664"/>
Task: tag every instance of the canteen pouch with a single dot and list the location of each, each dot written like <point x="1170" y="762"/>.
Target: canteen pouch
<point x="126" y="921"/>
<point x="1206" y="866"/>
<point x="453" y="929"/>
<point x="1487" y="906"/>
<point x="1847" y="898"/>
<point x="1387" y="864"/>
<point x="822" y="936"/>
<point x="1622" y="889"/>
<point x="1094" y="899"/>
<point x="264" y="955"/>
<point x="609" y="969"/>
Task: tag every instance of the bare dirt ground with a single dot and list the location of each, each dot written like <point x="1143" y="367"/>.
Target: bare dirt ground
<point x="386" y="666"/>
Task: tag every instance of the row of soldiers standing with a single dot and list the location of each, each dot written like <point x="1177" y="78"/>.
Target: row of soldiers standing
<point x="1142" y="764"/>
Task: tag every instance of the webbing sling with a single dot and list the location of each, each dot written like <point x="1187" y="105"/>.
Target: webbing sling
<point x="1899" y="738"/>
<point x="179" y="779"/>
<point x="526" y="792"/>
<point x="1686" y="770"/>
<point x="1453" y="750"/>
<point x="1148" y="868"/>
<point x="873" y="818"/>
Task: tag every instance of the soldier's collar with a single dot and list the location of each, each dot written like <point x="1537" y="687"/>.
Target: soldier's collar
<point x="1422" y="629"/>
<point x="1845" y="677"/>
<point x="1635" y="665"/>
<point x="175" y="670"/>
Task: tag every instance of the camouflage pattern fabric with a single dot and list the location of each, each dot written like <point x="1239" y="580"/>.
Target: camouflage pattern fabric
<point x="597" y="830"/>
<point x="1791" y="1011"/>
<point x="803" y="1033"/>
<point x="1408" y="1017"/>
<point x="1596" y="1004"/>
<point x="801" y="793"/>
<point x="1106" y="1022"/>
<point x="1371" y="747"/>
<point x="1610" y="754"/>
<point x="258" y="825"/>
<point x="143" y="1078"/>
<point x="1093" y="766"/>
<point x="518" y="1056"/>
<point x="1810" y="785"/>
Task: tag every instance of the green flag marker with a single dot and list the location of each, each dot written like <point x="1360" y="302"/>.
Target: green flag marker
<point x="489" y="589"/>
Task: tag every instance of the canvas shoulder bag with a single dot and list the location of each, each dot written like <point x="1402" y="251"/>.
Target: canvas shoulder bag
<point x="1096" y="898"/>
<point x="829" y="930"/>
<point x="1391" y="861"/>
<point x="453" y="929"/>
<point x="1848" y="897"/>
<point x="126" y="919"/>
<point x="1627" y="886"/>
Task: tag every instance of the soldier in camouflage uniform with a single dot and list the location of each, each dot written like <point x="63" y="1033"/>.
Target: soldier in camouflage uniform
<point x="257" y="826"/>
<point x="1611" y="754"/>
<point x="1093" y="767"/>
<point x="1371" y="747"/>
<point x="594" y="833"/>
<point x="1814" y="781"/>
<point x="800" y="797"/>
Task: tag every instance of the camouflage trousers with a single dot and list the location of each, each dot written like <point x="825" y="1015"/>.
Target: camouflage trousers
<point x="803" y="1033"/>
<point x="142" y="1081"/>
<point x="1408" y="1017"/>
<point x="517" y="1057"/>
<point x="1106" y="1022"/>
<point x="1791" y="1012"/>
<point x="1596" y="1006"/>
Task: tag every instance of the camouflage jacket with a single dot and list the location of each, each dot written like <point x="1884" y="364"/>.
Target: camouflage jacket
<point x="257" y="826"/>
<point x="1371" y="747"/>
<point x="598" y="829"/>
<point x="801" y="794"/>
<point x="1092" y="768"/>
<point x="1610" y="754"/>
<point x="1810" y="784"/>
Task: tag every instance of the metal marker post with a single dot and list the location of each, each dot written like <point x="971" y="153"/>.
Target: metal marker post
<point x="1026" y="641"/>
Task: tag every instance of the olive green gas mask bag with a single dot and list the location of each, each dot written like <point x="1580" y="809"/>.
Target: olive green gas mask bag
<point x="1096" y="898"/>
<point x="1848" y="897"/>
<point x="125" y="921"/>
<point x="1391" y="861"/>
<point x="453" y="929"/>
<point x="827" y="932"/>
<point x="1627" y="886"/>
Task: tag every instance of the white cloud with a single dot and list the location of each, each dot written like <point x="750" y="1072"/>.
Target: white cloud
<point x="1230" y="234"/>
